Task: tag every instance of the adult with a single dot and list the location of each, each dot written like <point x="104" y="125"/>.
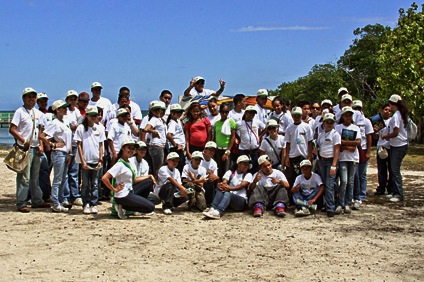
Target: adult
<point x="98" y="101"/>
<point x="197" y="87"/>
<point x="237" y="112"/>
<point x="166" y="97"/>
<point x="261" y="99"/>
<point x="83" y="100"/>
<point x="124" y="98"/>
<point x="25" y="128"/>
<point x="197" y="129"/>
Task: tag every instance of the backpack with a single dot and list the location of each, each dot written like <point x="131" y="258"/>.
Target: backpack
<point x="411" y="130"/>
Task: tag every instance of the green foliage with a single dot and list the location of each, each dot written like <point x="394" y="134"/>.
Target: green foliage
<point x="401" y="68"/>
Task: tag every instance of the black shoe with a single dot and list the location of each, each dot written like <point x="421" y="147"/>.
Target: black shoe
<point x="330" y="214"/>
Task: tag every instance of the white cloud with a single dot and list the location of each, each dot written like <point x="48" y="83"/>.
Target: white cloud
<point x="273" y="28"/>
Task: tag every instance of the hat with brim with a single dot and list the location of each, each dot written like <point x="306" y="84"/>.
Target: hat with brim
<point x="210" y="144"/>
<point x="176" y="108"/>
<point x="250" y="109"/>
<point x="347" y="109"/>
<point x="244" y="159"/>
<point x="347" y="97"/>
<point x="395" y="98"/>
<point x="172" y="156"/>
<point x="121" y="112"/>
<point x="329" y="116"/>
<point x="155" y="105"/>
<point x="42" y="95"/>
<point x="84" y="96"/>
<point x="263" y="159"/>
<point x="197" y="155"/>
<point x="96" y="85"/>
<point x="141" y="144"/>
<point x="28" y="90"/>
<point x="297" y="111"/>
<point x="357" y="104"/>
<point x="91" y="111"/>
<point x="198" y="78"/>
<point x="59" y="104"/>
<point x="71" y="93"/>
<point x="272" y="123"/>
<point x="341" y="90"/>
<point x="128" y="142"/>
<point x="262" y="93"/>
<point x="326" y="101"/>
<point x="305" y="163"/>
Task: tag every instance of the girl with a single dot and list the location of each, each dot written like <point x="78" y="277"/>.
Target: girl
<point x="231" y="191"/>
<point x="59" y="131"/>
<point x="328" y="143"/>
<point x="225" y="134"/>
<point x="349" y="156"/>
<point x="398" y="139"/>
<point x="90" y="137"/>
<point x="194" y="177"/>
<point x="117" y="133"/>
<point x="169" y="184"/>
<point x="273" y="145"/>
<point x="175" y="133"/>
<point x="129" y="192"/>
<point x="197" y="129"/>
<point x="157" y="128"/>
<point x="281" y="114"/>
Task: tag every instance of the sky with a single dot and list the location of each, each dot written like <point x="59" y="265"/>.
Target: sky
<point x="149" y="46"/>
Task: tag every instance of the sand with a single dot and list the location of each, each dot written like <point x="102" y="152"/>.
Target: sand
<point x="380" y="242"/>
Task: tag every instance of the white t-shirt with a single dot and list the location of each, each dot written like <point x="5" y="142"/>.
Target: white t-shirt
<point x="277" y="144"/>
<point x="140" y="168"/>
<point x="46" y="119"/>
<point x="122" y="174"/>
<point x="298" y="135"/>
<point x="307" y="186"/>
<point x="23" y="119"/>
<point x="206" y="92"/>
<point x="326" y="142"/>
<point x="346" y="155"/>
<point x="61" y="132"/>
<point x="74" y="117"/>
<point x="249" y="133"/>
<point x="118" y="133"/>
<point x="365" y="126"/>
<point x="163" y="175"/>
<point x="283" y="120"/>
<point x="143" y="124"/>
<point x="266" y="180"/>
<point x="210" y="165"/>
<point x="235" y="179"/>
<point x="384" y="131"/>
<point x="235" y="115"/>
<point x="91" y="141"/>
<point x="318" y="125"/>
<point x="177" y="130"/>
<point x="213" y="119"/>
<point x="103" y="103"/>
<point x="402" y="138"/>
<point x="160" y="126"/>
<point x="261" y="114"/>
<point x="135" y="110"/>
<point x="198" y="173"/>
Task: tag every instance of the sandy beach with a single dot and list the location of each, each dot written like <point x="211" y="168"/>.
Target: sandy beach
<point x="381" y="242"/>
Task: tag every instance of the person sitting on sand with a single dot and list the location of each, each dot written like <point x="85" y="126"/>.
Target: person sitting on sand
<point x="194" y="177"/>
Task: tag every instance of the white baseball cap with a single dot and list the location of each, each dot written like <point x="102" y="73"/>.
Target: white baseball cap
<point x="129" y="141"/>
<point x="395" y="98"/>
<point x="305" y="163"/>
<point x="42" y="95"/>
<point x="96" y="85"/>
<point x="71" y="93"/>
<point x="172" y="156"/>
<point x="176" y="108"/>
<point x="28" y="90"/>
<point x="328" y="116"/>
<point x="250" y="109"/>
<point x="326" y="101"/>
<point x="197" y="155"/>
<point x="59" y="104"/>
<point x="347" y="97"/>
<point x="244" y="158"/>
<point x="271" y="122"/>
<point x="263" y="159"/>
<point x="296" y="111"/>
<point x="210" y="144"/>
<point x="357" y="104"/>
<point x="197" y="78"/>
<point x="121" y="111"/>
<point x="342" y="89"/>
<point x="91" y="110"/>
<point x="347" y="109"/>
<point x="262" y="92"/>
<point x="141" y="144"/>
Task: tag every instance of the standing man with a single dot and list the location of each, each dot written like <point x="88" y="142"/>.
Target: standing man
<point x="25" y="128"/>
<point x="261" y="99"/>
<point x="166" y="97"/>
<point x="197" y="87"/>
<point x="98" y="101"/>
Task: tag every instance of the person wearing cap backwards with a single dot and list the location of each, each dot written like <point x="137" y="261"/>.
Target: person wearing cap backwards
<point x="398" y="138"/>
<point x="194" y="177"/>
<point x="75" y="118"/>
<point x="365" y="126"/>
<point x="197" y="87"/>
<point x="82" y="103"/>
<point x="268" y="189"/>
<point x="98" y="101"/>
<point x="261" y="99"/>
<point x="117" y="133"/>
<point x="26" y="121"/>
<point x="175" y="133"/>
<point x="169" y="188"/>
<point x="249" y="129"/>
<point x="231" y="192"/>
<point x="328" y="143"/>
<point x="298" y="137"/>
<point x="211" y="167"/>
<point x="348" y="158"/>
<point x="90" y="137"/>
<point x="129" y="192"/>
<point x="59" y="131"/>
<point x="307" y="188"/>
<point x="273" y="145"/>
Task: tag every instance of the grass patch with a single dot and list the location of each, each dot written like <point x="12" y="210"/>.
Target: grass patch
<point x="414" y="159"/>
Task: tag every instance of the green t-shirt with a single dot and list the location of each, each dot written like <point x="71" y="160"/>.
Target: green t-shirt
<point x="221" y="139"/>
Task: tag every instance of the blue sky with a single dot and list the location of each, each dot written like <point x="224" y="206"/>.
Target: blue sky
<point x="55" y="46"/>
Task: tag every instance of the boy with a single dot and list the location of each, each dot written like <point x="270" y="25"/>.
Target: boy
<point x="211" y="170"/>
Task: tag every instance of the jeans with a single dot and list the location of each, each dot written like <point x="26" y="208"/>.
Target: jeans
<point x="384" y="175"/>
<point x="324" y="167"/>
<point x="396" y="157"/>
<point x="299" y="196"/>
<point x="224" y="200"/>
<point x="209" y="188"/>
<point x="137" y="200"/>
<point x="360" y="183"/>
<point x="44" y="177"/>
<point x="72" y="188"/>
<point x="269" y="196"/>
<point x="60" y="177"/>
<point x="90" y="186"/>
<point x="158" y="156"/>
<point x="347" y="181"/>
<point x="166" y="194"/>
<point x="28" y="181"/>
<point x="223" y="166"/>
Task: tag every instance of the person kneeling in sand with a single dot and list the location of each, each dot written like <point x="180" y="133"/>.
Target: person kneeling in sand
<point x="194" y="177"/>
<point x="307" y="189"/>
<point x="268" y="189"/>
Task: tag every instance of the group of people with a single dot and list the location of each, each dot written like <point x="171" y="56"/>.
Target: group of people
<point x="226" y="156"/>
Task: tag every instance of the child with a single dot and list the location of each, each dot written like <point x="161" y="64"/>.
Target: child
<point x="307" y="187"/>
<point x="117" y="133"/>
<point x="211" y="171"/>
<point x="328" y="143"/>
<point x="90" y="137"/>
<point x="231" y="191"/>
<point x="175" y="135"/>
<point x="273" y="145"/>
<point x="349" y="156"/>
<point x="194" y="176"/>
<point x="281" y="114"/>
<point x="169" y="182"/>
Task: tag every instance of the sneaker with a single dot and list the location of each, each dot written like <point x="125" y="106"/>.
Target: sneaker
<point x="330" y="214"/>
<point x="120" y="211"/>
<point x="144" y="214"/>
<point x="94" y="210"/>
<point x="77" y="202"/>
<point x="356" y="205"/>
<point x="24" y="209"/>
<point x="66" y="204"/>
<point x="347" y="210"/>
<point x="338" y="210"/>
<point x="396" y="199"/>
<point x="59" y="208"/>
<point x="167" y="211"/>
<point x="302" y="212"/>
<point x="280" y="210"/>
<point x="258" y="210"/>
<point x="86" y="209"/>
<point x="212" y="213"/>
<point x="389" y="196"/>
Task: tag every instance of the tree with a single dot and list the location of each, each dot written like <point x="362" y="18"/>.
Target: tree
<point x="401" y="68"/>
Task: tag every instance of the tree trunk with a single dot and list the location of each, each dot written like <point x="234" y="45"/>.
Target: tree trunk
<point x="420" y="126"/>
